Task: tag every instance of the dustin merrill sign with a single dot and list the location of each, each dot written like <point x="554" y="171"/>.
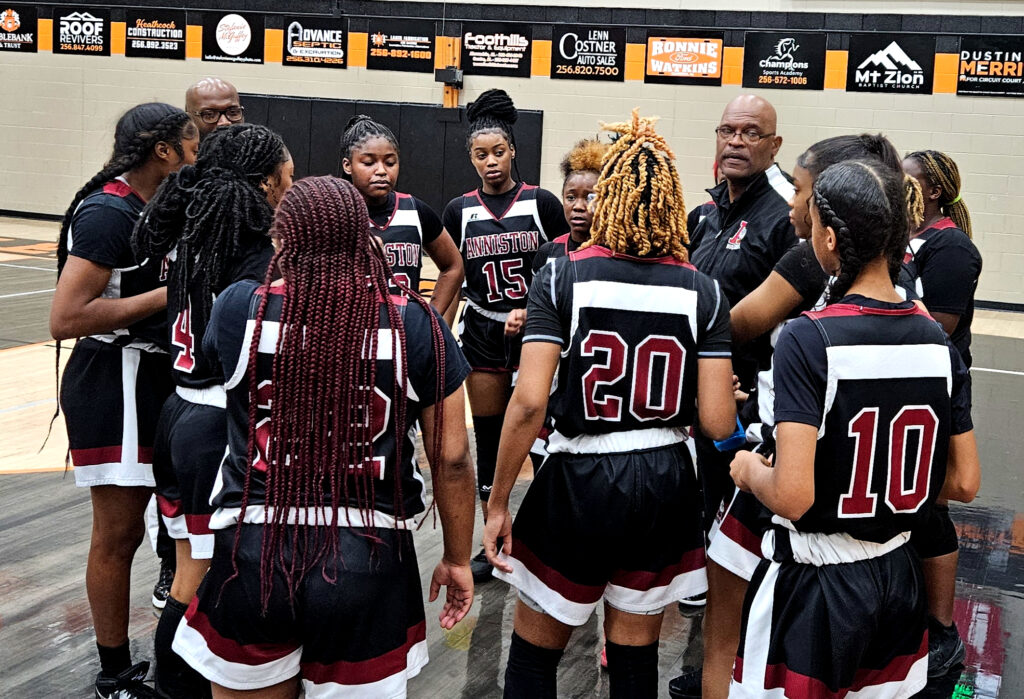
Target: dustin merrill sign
<point x="891" y="63"/>
<point x="992" y="66"/>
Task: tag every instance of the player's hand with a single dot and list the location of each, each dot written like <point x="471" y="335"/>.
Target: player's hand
<point x="737" y="393"/>
<point x="499" y="524"/>
<point x="458" y="583"/>
<point x="515" y="321"/>
<point x="742" y="465"/>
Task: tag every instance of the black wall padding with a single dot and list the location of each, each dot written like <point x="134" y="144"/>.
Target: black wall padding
<point x="435" y="163"/>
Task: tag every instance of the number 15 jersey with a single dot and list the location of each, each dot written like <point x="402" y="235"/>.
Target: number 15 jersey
<point x="631" y="330"/>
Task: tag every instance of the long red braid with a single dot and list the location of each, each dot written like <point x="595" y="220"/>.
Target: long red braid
<point x="320" y="452"/>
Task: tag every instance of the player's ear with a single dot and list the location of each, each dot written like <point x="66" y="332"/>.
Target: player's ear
<point x="346" y="166"/>
<point x="831" y="241"/>
<point x="163" y="150"/>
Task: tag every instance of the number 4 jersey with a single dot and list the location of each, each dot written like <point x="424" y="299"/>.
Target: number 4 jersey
<point x="885" y="390"/>
<point x="631" y="330"/>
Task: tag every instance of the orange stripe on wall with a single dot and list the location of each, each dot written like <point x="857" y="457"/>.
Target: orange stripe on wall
<point x="357" y="45"/>
<point x="447" y="51"/>
<point x="835" y="69"/>
<point x="541" y="58"/>
<point x="636" y="57"/>
<point x="45" y="30"/>
<point x="947" y="70"/>
<point x="118" y="35"/>
<point x="193" y="41"/>
<point x="273" y="45"/>
<point x="732" y="65"/>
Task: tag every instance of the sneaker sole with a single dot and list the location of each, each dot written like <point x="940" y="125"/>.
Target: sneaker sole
<point x="159" y="603"/>
<point x="957" y="658"/>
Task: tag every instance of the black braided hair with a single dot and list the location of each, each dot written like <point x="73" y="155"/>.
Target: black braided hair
<point x="492" y="112"/>
<point x="137" y="133"/>
<point x="862" y="201"/>
<point x="359" y="130"/>
<point x="212" y="211"/>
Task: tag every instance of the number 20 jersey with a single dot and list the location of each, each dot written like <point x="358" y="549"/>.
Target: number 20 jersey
<point x="631" y="330"/>
<point x="885" y="390"/>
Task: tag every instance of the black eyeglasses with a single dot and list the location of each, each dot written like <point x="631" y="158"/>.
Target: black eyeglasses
<point x="750" y="136"/>
<point x="212" y="116"/>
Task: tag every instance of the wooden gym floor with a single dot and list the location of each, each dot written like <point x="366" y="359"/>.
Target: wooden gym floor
<point x="46" y="643"/>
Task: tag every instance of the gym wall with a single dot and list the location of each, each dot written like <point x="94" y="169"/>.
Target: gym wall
<point x="58" y="111"/>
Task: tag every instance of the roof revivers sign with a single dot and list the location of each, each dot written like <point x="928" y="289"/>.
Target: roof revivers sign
<point x="81" y="31"/>
<point x="684" y="60"/>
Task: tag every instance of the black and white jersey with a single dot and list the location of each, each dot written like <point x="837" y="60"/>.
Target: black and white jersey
<point x="631" y="330"/>
<point x="228" y="342"/>
<point x="553" y="249"/>
<point x="101" y="232"/>
<point x="498" y="245"/>
<point x="192" y="369"/>
<point x="885" y="392"/>
<point x="405" y="224"/>
<point x="944" y="266"/>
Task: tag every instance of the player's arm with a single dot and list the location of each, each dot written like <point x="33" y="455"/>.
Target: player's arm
<point x="448" y="259"/>
<point x="948" y="321"/>
<point x="763" y="308"/>
<point x="963" y="469"/>
<point x="523" y="419"/>
<point x="79" y="308"/>
<point x="716" y="403"/>
<point x="787" y="489"/>
<point x="455" y="492"/>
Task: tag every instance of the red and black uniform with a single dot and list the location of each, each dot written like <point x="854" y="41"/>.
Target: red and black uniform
<point x="614" y="511"/>
<point x="192" y="433"/>
<point x="364" y="632"/>
<point x="406" y="224"/>
<point x="115" y="383"/>
<point x="839" y="605"/>
<point x="499" y="235"/>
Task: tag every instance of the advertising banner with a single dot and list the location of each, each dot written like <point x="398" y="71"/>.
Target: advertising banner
<point x="401" y="44"/>
<point x="154" y="33"/>
<point x="81" y="30"/>
<point x="493" y="48"/>
<point x="233" y="37"/>
<point x="588" y="53"/>
<point x="902" y="63"/>
<point x="992" y="66"/>
<point x="315" y="41"/>
<point x="19" y="28"/>
<point x="686" y="58"/>
<point x="784" y="60"/>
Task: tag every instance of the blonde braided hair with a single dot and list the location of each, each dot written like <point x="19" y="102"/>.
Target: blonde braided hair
<point x="639" y="209"/>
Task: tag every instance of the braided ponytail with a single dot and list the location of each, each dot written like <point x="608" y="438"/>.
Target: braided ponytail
<point x="941" y="171"/>
<point x="492" y="112"/>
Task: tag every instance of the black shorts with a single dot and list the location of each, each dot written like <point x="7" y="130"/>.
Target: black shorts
<point x="111" y="397"/>
<point x="191" y="442"/>
<point x="829" y="630"/>
<point x="624" y="527"/>
<point x="936" y="535"/>
<point x="736" y="534"/>
<point x="715" y="482"/>
<point x="362" y="635"/>
<point x="485" y="344"/>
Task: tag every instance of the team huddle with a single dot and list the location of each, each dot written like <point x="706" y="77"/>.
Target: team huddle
<point x="761" y="404"/>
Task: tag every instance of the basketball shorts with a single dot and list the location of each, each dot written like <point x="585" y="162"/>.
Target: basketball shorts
<point x="111" y="397"/>
<point x="935" y="535"/>
<point x="736" y="534"/>
<point x="363" y="635"/>
<point x="856" y="628"/>
<point x="191" y="441"/>
<point x="715" y="482"/>
<point x="485" y="344"/>
<point x="623" y="527"/>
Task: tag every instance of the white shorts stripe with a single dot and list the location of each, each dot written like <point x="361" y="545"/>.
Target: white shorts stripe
<point x="688" y="584"/>
<point x="118" y="473"/>
<point x="202" y="546"/>
<point x="176" y="527"/>
<point x="731" y="556"/>
<point x="758" y="637"/>
<point x="553" y="604"/>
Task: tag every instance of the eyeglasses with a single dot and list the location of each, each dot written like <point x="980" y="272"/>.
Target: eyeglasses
<point x="212" y="116"/>
<point x="751" y="137"/>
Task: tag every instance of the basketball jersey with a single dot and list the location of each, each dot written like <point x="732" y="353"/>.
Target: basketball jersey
<point x="403" y="240"/>
<point x="885" y="391"/>
<point x="498" y="248"/>
<point x="631" y="330"/>
<point x="101" y="231"/>
<point x="229" y="340"/>
<point x="553" y="249"/>
<point x="191" y="368"/>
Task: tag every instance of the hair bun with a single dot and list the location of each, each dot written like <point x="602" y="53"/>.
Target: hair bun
<point x="356" y="119"/>
<point x="493" y="103"/>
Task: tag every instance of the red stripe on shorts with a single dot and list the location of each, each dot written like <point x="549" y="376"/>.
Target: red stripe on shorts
<point x="366" y="671"/>
<point x="796" y="685"/>
<point x="198" y="524"/>
<point x="168" y="508"/>
<point x="574" y="592"/>
<point x="107" y="455"/>
<point x="895" y="671"/>
<point x="231" y="650"/>
<point x="643" y="580"/>
<point x="737" y="532"/>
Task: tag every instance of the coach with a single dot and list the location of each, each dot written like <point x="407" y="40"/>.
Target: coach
<point x="213" y="102"/>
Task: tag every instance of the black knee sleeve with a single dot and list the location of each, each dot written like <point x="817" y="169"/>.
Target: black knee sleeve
<point x="532" y="671"/>
<point x="487" y="431"/>
<point x="632" y="670"/>
<point x="174" y="677"/>
<point x="936" y="535"/>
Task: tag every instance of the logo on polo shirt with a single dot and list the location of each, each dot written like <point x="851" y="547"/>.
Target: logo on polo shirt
<point x="737" y="237"/>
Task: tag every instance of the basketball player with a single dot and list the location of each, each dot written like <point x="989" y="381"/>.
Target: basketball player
<point x="118" y="375"/>
<point x="215" y="216"/>
<point x="314" y="575"/>
<point x="944" y="265"/>
<point x="870" y="405"/>
<point x="638" y="336"/>
<point x="213" y="102"/>
<point x="406" y="224"/>
<point x="498" y="227"/>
